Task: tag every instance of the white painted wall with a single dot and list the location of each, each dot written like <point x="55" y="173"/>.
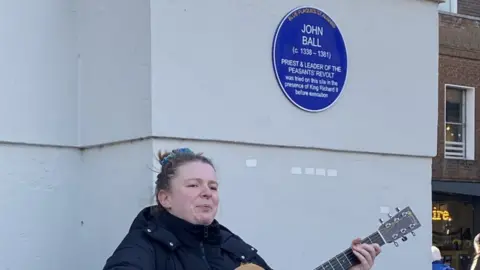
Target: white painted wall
<point x="81" y="73"/>
<point x="223" y="81"/>
<point x="38" y="191"/>
<point x="225" y="75"/>
<point x="299" y="221"/>
<point x="116" y="181"/>
<point x="114" y="70"/>
<point x="38" y="108"/>
<point x="38" y="72"/>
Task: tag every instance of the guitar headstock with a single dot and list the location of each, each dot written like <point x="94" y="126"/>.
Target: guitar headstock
<point x="399" y="226"/>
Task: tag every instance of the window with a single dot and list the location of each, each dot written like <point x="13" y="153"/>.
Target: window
<point x="459" y="122"/>
<point x="448" y="6"/>
<point x="453" y="231"/>
<point x="452" y="222"/>
<point x="455" y="123"/>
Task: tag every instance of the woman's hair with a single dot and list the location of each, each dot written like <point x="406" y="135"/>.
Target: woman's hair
<point x="170" y="161"/>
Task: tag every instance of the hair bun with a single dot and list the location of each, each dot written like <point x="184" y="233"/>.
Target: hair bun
<point x="162" y="156"/>
<point x="187" y="151"/>
<point x="165" y="157"/>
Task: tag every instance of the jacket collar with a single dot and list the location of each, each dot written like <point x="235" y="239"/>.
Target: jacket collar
<point x="148" y="222"/>
<point x="183" y="231"/>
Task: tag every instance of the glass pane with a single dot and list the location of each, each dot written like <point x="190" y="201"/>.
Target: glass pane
<point x="454" y="133"/>
<point x="447" y="6"/>
<point x="452" y="225"/>
<point x="454" y="105"/>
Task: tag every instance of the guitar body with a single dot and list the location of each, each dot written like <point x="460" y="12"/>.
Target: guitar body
<point x="249" y="266"/>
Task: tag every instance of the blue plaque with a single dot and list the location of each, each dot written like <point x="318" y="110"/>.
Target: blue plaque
<point x="310" y="59"/>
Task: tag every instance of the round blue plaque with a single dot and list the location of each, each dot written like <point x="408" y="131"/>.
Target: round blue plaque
<point x="310" y="59"/>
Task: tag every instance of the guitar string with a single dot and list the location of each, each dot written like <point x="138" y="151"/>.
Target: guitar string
<point x="374" y="238"/>
<point x="337" y="263"/>
<point x="348" y="253"/>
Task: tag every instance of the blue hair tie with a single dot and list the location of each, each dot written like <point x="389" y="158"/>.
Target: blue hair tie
<point x="174" y="153"/>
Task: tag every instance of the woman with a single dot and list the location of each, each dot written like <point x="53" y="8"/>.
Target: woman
<point x="181" y="233"/>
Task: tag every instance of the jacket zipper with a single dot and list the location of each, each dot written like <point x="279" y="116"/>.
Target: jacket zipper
<point x="204" y="257"/>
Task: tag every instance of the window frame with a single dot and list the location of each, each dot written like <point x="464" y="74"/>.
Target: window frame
<point x="452" y="6"/>
<point x="467" y="146"/>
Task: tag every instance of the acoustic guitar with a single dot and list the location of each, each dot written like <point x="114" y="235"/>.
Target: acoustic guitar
<point x="396" y="227"/>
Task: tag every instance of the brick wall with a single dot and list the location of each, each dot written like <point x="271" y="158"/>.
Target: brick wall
<point x="459" y="63"/>
<point x="469" y="7"/>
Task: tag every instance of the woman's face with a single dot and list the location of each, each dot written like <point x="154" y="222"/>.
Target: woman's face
<point x="193" y="194"/>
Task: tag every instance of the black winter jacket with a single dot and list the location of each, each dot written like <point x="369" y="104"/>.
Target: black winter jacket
<point x="160" y="241"/>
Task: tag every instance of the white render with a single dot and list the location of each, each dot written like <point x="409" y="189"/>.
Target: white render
<point x="91" y="90"/>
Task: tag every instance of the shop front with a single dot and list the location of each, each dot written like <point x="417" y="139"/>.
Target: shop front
<point x="454" y="222"/>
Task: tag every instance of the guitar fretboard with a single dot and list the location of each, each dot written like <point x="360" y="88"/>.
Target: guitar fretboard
<point x="347" y="258"/>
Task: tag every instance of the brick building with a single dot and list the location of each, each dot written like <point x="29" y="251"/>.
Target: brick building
<point x="456" y="168"/>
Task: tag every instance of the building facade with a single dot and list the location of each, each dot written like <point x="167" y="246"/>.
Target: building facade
<point x="91" y="90"/>
<point x="456" y="168"/>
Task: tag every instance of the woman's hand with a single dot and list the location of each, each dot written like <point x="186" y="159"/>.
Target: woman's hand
<point x="366" y="253"/>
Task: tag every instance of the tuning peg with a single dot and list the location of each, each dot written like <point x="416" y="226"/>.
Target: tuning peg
<point x="389" y="215"/>
<point x="395" y="243"/>
<point x="413" y="233"/>
<point x="404" y="238"/>
<point x="398" y="209"/>
<point x="381" y="220"/>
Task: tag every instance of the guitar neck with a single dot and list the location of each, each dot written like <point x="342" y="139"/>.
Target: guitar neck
<point x="347" y="258"/>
